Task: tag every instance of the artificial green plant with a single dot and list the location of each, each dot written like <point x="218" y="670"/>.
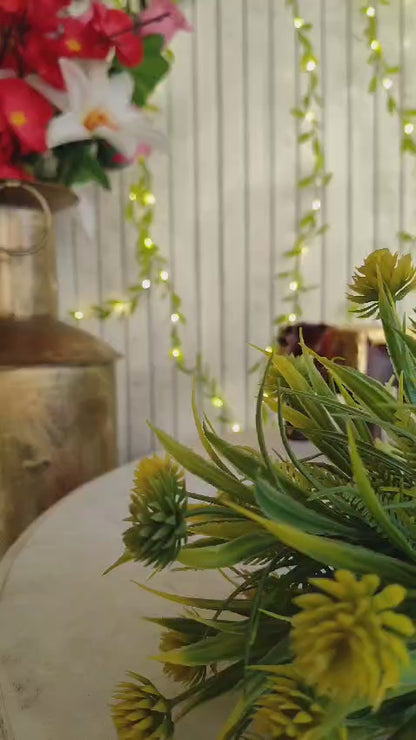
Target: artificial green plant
<point x="318" y="631"/>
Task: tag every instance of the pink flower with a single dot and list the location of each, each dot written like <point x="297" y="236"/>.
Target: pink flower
<point x="143" y="150"/>
<point x="163" y="17"/>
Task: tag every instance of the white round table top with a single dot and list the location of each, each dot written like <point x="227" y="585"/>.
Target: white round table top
<point x="68" y="635"/>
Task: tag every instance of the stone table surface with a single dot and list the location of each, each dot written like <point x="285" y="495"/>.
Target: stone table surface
<point x="68" y="634"/>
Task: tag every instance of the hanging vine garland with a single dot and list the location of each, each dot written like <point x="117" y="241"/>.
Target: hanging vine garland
<point x="308" y="115"/>
<point x="153" y="271"/>
<point x="383" y="73"/>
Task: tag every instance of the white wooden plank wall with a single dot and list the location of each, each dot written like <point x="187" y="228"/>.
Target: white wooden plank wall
<point x="227" y="202"/>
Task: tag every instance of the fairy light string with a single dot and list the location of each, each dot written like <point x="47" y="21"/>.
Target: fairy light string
<point x="384" y="78"/>
<point x="309" y="136"/>
<point x="153" y="273"/>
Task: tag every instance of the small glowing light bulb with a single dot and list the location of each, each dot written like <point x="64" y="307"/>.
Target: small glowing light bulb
<point x="370" y="11"/>
<point x="375" y="45"/>
<point x="174" y="318"/>
<point x="78" y="315"/>
<point x="133" y="196"/>
<point x="149" y="199"/>
<point x="409" y="128"/>
<point x="316" y="204"/>
<point x="309" y="116"/>
<point x="298" y="22"/>
<point x="265" y="395"/>
<point x="387" y="83"/>
<point x="269" y="350"/>
<point x="146" y="284"/>
<point x="176" y="353"/>
<point x="292" y="318"/>
<point x="148" y="242"/>
<point x="164" y="275"/>
<point x="293" y="285"/>
<point x="304" y="250"/>
<point x="217" y="402"/>
<point x="236" y="428"/>
<point x="311" y="65"/>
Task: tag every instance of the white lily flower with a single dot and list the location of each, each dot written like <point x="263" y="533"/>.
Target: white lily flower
<point x="99" y="106"/>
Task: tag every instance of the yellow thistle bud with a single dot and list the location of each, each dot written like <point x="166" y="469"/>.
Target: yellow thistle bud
<point x="148" y="472"/>
<point x="397" y="273"/>
<point x="157" y="513"/>
<point x="141" y="712"/>
<point x="288" y="710"/>
<point x="174" y="640"/>
<point x="348" y="641"/>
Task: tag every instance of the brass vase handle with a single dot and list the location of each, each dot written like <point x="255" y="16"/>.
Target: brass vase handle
<point x="39" y="198"/>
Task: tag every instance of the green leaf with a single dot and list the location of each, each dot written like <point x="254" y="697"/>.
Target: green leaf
<point x="202" y="468"/>
<point x="151" y="70"/>
<point x="246" y="463"/>
<point x="373" y="85"/>
<point x="203" y="437"/>
<point x="371" y="393"/>
<point x="336" y="553"/>
<point x="238" y="606"/>
<point x="306" y="181"/>
<point x="78" y="164"/>
<point x="302" y="138"/>
<point x="408" y="145"/>
<point x="402" y="359"/>
<point x="277" y="505"/>
<point x="309" y="219"/>
<point x="391" y="104"/>
<point x="372" y="501"/>
<point x="206" y="652"/>
<point x="226" y="554"/>
<point x="297" y="113"/>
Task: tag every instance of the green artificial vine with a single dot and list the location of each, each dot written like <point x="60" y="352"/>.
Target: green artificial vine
<point x="383" y="74"/>
<point x="307" y="114"/>
<point x="153" y="272"/>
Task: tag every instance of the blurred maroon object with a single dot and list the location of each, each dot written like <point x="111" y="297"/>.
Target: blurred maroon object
<point x="361" y="346"/>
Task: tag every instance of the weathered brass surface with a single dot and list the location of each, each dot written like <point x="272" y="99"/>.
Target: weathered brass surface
<point x="57" y="389"/>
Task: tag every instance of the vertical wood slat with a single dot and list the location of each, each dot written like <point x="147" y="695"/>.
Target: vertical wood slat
<point x="409" y="94"/>
<point x="232" y="153"/>
<point x="285" y="202"/>
<point x="389" y="139"/>
<point x="362" y="137"/>
<point x="208" y="183"/>
<point x="258" y="201"/>
<point x="336" y="138"/>
<point x="183" y="201"/>
<point x="110" y="231"/>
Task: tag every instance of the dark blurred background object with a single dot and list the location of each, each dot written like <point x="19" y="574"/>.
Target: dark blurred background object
<point x="361" y="346"/>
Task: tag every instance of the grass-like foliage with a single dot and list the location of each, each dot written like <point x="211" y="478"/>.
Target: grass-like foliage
<point x="317" y="631"/>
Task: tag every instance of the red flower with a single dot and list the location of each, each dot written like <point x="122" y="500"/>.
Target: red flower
<point x="27" y="114"/>
<point x="13" y="6"/>
<point x="14" y="172"/>
<point x="118" y="30"/>
<point x="7" y="145"/>
<point x="81" y="39"/>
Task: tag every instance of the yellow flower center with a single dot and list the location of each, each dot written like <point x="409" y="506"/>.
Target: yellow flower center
<point x="18" y="118"/>
<point x="98" y="117"/>
<point x="74" y="45"/>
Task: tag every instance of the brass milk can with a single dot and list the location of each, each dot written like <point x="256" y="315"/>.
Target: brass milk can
<point x="57" y="385"/>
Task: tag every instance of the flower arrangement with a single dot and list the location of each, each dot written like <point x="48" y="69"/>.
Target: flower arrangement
<point x="318" y="630"/>
<point x="74" y="86"/>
